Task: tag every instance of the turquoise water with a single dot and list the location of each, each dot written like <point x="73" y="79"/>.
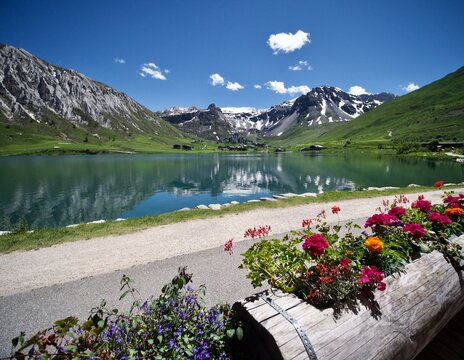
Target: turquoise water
<point x="62" y="190"/>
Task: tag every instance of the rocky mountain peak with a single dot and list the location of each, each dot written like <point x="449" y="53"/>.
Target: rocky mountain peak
<point x="32" y="88"/>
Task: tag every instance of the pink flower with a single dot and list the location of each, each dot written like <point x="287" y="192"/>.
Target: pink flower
<point x="335" y="209"/>
<point x="380" y="219"/>
<point x="397" y="211"/>
<point x="229" y="246"/>
<point x="422" y="205"/>
<point x="315" y="245"/>
<point x="415" y="230"/>
<point x="439" y="218"/>
<point x="370" y="274"/>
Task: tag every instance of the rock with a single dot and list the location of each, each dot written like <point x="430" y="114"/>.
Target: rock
<point x="308" y="194"/>
<point x="72" y="225"/>
<point x="413" y="185"/>
<point x="253" y="201"/>
<point x="382" y="188"/>
<point x="234" y="202"/>
<point x="267" y="199"/>
<point x="215" y="206"/>
<point x="4" y="232"/>
<point x="288" y="195"/>
<point x="96" y="222"/>
<point x="120" y="219"/>
<point x="278" y="197"/>
<point x="202" y="207"/>
<point x="449" y="184"/>
<point x="226" y="205"/>
<point x="184" y="209"/>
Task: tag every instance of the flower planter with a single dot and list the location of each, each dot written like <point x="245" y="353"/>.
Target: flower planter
<point x="395" y="324"/>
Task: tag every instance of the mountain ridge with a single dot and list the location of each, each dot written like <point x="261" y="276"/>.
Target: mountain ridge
<point x="321" y="105"/>
<point x="38" y="97"/>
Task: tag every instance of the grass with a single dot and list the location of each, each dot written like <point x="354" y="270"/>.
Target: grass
<point x="22" y="240"/>
<point x="435" y="111"/>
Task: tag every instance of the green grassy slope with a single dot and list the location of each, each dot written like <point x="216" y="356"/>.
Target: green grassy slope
<point x="57" y="135"/>
<point x="433" y="111"/>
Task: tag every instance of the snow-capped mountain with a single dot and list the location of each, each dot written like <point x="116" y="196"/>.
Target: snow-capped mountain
<point x="319" y="106"/>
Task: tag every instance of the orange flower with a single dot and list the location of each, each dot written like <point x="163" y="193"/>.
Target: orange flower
<point x="373" y="244"/>
<point x="454" y="212"/>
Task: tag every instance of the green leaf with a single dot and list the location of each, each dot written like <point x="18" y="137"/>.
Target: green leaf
<point x="15" y="341"/>
<point x="239" y="333"/>
<point x="160" y="338"/>
<point x="230" y="333"/>
<point x="124" y="294"/>
<point x="151" y="341"/>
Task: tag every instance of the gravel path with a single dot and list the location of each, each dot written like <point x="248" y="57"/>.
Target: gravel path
<point x="22" y="271"/>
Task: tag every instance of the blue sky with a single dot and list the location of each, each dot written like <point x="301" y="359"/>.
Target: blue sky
<point x="375" y="45"/>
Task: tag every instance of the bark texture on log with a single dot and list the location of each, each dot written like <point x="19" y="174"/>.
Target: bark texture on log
<point x="396" y="324"/>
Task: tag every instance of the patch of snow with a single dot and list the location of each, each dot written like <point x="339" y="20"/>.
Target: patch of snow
<point x="324" y="107"/>
<point x="279" y="133"/>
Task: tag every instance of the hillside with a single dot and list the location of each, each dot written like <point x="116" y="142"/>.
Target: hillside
<point x="47" y="108"/>
<point x="435" y="111"/>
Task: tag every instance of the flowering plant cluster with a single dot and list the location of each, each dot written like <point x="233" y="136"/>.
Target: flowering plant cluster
<point x="326" y="268"/>
<point x="173" y="326"/>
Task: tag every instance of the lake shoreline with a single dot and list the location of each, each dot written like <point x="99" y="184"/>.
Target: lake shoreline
<point x="23" y="240"/>
<point x="26" y="270"/>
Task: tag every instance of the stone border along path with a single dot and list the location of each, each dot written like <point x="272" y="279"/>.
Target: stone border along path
<point x="22" y="271"/>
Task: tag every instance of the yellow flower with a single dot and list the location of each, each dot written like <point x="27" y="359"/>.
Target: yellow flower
<point x="373" y="244"/>
<point x="454" y="212"/>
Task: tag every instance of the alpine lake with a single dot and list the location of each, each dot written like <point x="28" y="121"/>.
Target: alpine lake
<point x="53" y="191"/>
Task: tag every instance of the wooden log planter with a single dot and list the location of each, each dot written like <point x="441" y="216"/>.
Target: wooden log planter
<point x="396" y="324"/>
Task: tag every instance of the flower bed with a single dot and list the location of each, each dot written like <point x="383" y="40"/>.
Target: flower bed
<point x="327" y="269"/>
<point x="379" y="292"/>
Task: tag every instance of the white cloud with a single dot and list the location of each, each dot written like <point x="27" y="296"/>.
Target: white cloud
<point x="167" y="71"/>
<point x="257" y="86"/>
<point x="279" y="88"/>
<point x="357" y="90"/>
<point x="411" y="87"/>
<point x="119" y="61"/>
<point x="234" y="86"/>
<point x="302" y="64"/>
<point x="150" y="69"/>
<point x="216" y="79"/>
<point x="288" y="42"/>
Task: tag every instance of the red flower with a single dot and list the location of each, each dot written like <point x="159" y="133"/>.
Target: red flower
<point x="397" y="211"/>
<point x="306" y="223"/>
<point x="257" y="232"/>
<point x="344" y="263"/>
<point x="380" y="219"/>
<point x="415" y="230"/>
<point x="438" y="184"/>
<point x="439" y="218"/>
<point x="335" y="209"/>
<point x="315" y="245"/>
<point x="422" y="205"/>
<point x="229" y="246"/>
<point x="381" y="286"/>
